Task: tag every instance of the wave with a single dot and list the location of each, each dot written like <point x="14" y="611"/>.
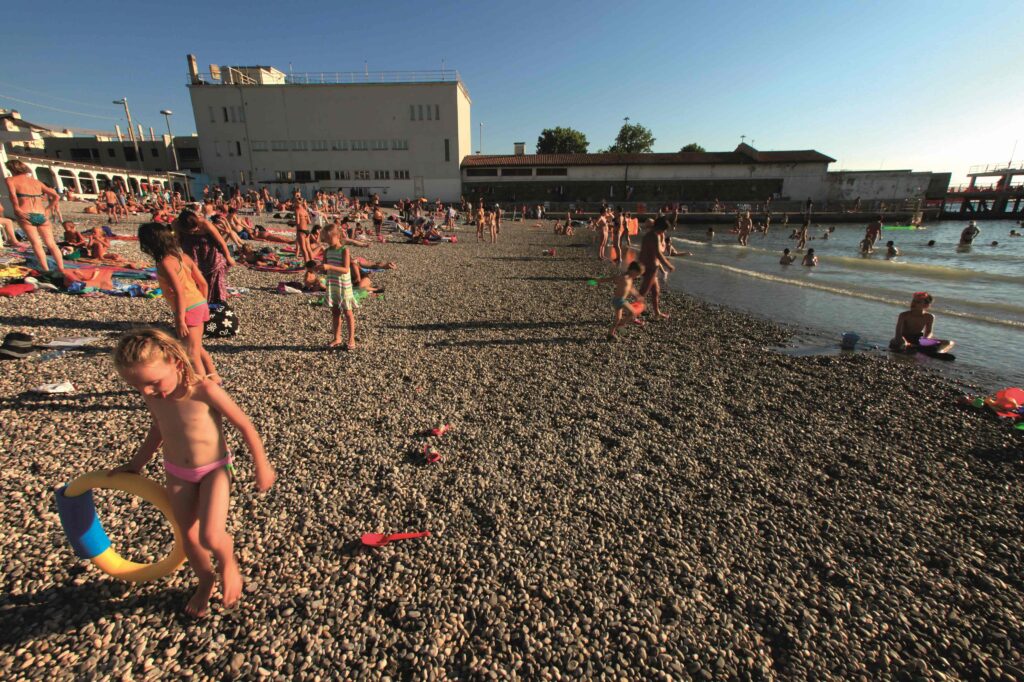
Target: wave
<point x="880" y="296"/>
<point x="895" y="267"/>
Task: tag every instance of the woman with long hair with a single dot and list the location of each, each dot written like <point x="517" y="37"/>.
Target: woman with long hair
<point x="203" y="243"/>
<point x="33" y="204"/>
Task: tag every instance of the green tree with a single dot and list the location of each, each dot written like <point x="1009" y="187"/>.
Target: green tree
<point x="562" y="141"/>
<point x="633" y="138"/>
<point x="693" y="147"/>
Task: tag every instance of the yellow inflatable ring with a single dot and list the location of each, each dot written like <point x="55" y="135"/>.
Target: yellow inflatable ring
<point x="87" y="537"/>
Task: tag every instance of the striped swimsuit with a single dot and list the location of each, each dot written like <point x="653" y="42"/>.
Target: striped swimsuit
<point x="339" y="286"/>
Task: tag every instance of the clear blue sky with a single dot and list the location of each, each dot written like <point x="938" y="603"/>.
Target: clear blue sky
<point x="925" y="85"/>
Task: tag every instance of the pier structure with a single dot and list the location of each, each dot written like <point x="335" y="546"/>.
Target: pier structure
<point x="993" y="192"/>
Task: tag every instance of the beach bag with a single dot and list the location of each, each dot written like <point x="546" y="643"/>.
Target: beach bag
<point x="223" y="322"/>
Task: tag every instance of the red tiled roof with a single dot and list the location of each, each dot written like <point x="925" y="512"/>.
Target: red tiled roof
<point x="744" y="154"/>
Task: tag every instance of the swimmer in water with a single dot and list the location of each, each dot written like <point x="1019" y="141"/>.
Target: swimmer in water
<point x="890" y="250"/>
<point x="931" y="242"/>
<point x="866" y="247"/>
<point x="787" y="258"/>
<point x="810" y="260"/>
<point x="969" y="233"/>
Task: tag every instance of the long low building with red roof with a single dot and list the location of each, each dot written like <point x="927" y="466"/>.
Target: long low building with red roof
<point x="742" y="175"/>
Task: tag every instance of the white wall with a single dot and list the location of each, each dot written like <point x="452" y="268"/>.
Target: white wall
<point x="311" y="114"/>
<point x="877" y="185"/>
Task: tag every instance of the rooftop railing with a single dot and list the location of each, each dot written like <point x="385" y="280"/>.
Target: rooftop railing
<point x="238" y="77"/>
<point x="996" y="167"/>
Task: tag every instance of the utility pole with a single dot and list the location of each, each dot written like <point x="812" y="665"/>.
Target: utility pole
<point x="481" y="150"/>
<point x="131" y="132"/>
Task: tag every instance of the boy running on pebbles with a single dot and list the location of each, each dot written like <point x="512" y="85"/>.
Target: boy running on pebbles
<point x="624" y="290"/>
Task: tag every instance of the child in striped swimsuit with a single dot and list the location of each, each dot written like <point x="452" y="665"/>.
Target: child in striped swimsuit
<point x="338" y="266"/>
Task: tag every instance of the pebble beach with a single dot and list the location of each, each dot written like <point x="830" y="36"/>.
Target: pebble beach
<point x="684" y="503"/>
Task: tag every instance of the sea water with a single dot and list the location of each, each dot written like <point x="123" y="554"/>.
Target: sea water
<point x="978" y="289"/>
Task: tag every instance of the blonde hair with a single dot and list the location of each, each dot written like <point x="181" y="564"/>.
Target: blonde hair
<point x="142" y="346"/>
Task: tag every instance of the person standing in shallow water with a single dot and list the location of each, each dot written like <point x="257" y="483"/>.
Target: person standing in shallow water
<point x="651" y="256"/>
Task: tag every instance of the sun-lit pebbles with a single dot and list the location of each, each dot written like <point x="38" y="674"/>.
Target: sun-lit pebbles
<point x="682" y="503"/>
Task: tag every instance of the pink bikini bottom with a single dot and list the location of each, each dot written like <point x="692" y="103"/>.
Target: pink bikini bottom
<point x="199" y="473"/>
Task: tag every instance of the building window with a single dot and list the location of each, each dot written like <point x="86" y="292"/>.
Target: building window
<point x="110" y="152"/>
<point x="342" y="175"/>
<point x="516" y="171"/>
<point x="153" y="151"/>
<point x="129" y="154"/>
<point x="279" y="145"/>
<point x="400" y="145"/>
<point x="303" y="176"/>
<point x="318" y="145"/>
<point x="419" y="108"/>
<point x="213" y="119"/>
<point x="238" y="147"/>
<point x="339" y="145"/>
<point x="321" y="175"/>
<point x="379" y="145"/>
<point x="232" y="112"/>
<point x="447" y="149"/>
<point x="381" y="175"/>
<point x="430" y="114"/>
<point x="299" y="145"/>
<point x="437" y="112"/>
<point x="552" y="171"/>
<point x="412" y="112"/>
<point x="401" y="175"/>
<point x="241" y="113"/>
<point x="284" y="176"/>
<point x="360" y="145"/>
<point x="225" y="110"/>
<point x="258" y="145"/>
<point x="480" y="172"/>
<point x="362" y="175"/>
<point x="216" y="148"/>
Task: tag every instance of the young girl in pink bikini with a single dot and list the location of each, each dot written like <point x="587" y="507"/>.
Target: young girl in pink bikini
<point x="185" y="289"/>
<point x="187" y="413"/>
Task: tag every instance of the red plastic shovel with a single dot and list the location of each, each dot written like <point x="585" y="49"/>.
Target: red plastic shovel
<point x="441" y="430"/>
<point x="379" y="539"/>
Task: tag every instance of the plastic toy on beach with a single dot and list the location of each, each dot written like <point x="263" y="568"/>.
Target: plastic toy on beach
<point x="85" y="532"/>
<point x="379" y="539"/>
<point x="638" y="307"/>
<point x="1007" y="403"/>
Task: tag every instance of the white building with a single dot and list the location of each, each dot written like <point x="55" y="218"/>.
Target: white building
<point x="400" y="134"/>
<point x="19" y="136"/>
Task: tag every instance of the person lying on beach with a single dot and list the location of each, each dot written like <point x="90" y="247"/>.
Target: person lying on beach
<point x="787" y="258"/>
<point x="622" y="295"/>
<point x="916" y="324"/>
<point x="264" y="235"/>
<point x="890" y="250"/>
<point x="310" y="279"/>
<point x="810" y="260"/>
<point x="265" y="256"/>
<point x="187" y="412"/>
<point x="8" y="230"/>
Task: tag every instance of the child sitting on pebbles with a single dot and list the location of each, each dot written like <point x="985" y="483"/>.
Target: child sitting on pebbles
<point x="624" y="291"/>
<point x="916" y="324"/>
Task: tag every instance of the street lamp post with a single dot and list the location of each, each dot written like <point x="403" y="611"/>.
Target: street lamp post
<point x="131" y="131"/>
<point x="174" y="153"/>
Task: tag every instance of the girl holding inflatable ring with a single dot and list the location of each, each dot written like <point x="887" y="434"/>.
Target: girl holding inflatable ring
<point x="187" y="417"/>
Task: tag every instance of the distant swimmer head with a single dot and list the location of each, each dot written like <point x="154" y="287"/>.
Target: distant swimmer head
<point x="931" y="242"/>
<point x="995" y="243"/>
<point x="890" y="243"/>
<point x="973" y="223"/>
<point x="785" y="252"/>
